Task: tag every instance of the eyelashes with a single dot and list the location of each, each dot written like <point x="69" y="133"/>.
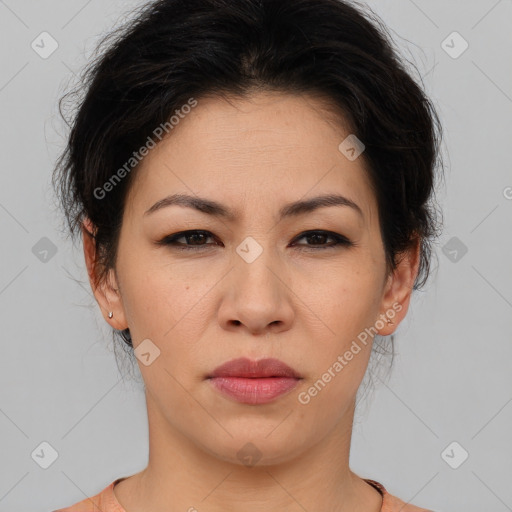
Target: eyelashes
<point x="198" y="235"/>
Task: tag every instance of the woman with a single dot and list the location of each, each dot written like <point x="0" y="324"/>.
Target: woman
<point x="253" y="183"/>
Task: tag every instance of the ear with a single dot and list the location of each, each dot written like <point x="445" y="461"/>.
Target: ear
<point x="106" y="291"/>
<point x="398" y="289"/>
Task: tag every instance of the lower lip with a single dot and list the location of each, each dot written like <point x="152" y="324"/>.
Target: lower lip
<point x="254" y="391"/>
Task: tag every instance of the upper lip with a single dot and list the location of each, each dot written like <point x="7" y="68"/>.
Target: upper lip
<point x="244" y="367"/>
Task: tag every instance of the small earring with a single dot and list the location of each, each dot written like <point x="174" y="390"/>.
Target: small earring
<point x="390" y="322"/>
<point x="110" y="314"/>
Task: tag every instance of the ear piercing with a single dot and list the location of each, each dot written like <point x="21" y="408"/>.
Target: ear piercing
<point x="110" y="314"/>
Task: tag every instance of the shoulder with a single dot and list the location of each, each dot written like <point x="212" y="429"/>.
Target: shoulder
<point x="394" y="504"/>
<point x="391" y="503"/>
<point x="104" y="501"/>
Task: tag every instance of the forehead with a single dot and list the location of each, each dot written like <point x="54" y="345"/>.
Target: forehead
<point x="254" y="150"/>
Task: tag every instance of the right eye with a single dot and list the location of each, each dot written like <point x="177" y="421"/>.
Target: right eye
<point x="189" y="236"/>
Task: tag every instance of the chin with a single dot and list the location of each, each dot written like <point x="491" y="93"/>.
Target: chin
<point x="255" y="448"/>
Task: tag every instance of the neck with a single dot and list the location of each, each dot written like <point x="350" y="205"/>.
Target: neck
<point x="182" y="475"/>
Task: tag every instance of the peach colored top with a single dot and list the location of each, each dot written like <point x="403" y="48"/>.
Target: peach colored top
<point x="106" y="501"/>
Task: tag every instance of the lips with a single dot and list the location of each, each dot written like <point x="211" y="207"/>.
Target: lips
<point x="254" y="382"/>
<point x="247" y="368"/>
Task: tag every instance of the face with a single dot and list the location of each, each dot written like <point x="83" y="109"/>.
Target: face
<point x="261" y="280"/>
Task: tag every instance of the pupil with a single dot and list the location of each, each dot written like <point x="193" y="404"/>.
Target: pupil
<point x="196" y="235"/>
<point x="317" y="236"/>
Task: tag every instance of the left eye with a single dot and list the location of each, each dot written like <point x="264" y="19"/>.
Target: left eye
<point x="200" y="236"/>
<point x="320" y="236"/>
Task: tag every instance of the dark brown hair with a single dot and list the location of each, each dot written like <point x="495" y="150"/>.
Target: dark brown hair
<point x="173" y="50"/>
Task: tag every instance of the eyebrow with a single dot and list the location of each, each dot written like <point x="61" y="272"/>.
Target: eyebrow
<point x="216" y="209"/>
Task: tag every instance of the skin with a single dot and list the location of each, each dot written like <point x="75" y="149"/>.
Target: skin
<point x="301" y="304"/>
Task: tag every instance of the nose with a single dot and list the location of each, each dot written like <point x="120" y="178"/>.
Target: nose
<point x="256" y="298"/>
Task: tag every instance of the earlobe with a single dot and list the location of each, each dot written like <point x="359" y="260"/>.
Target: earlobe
<point x="109" y="298"/>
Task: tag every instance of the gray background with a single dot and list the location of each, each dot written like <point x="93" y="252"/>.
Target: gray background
<point x="451" y="380"/>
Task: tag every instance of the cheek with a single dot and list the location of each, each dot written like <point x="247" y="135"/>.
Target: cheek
<point x="162" y="303"/>
<point x="156" y="307"/>
<point x="348" y="305"/>
<point x="149" y="294"/>
<point x="348" y="298"/>
<point x="329" y="395"/>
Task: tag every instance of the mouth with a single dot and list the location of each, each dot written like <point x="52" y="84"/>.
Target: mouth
<point x="254" y="382"/>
